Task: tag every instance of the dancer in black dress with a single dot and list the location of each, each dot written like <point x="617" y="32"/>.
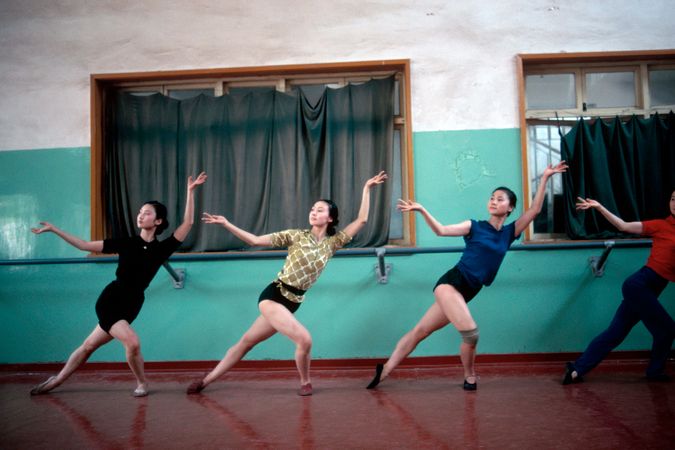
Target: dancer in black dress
<point x="140" y="257"/>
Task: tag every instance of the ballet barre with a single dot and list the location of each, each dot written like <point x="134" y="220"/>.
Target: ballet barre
<point x="597" y="263"/>
<point x="382" y="269"/>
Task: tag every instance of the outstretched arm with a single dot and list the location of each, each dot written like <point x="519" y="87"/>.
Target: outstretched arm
<point x="188" y="217"/>
<point x="621" y="225"/>
<point x="535" y="208"/>
<point x="459" y="229"/>
<point x="353" y="228"/>
<point x="250" y="238"/>
<point x="87" y="246"/>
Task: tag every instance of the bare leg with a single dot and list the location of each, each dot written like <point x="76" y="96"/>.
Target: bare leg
<point x="467" y="354"/>
<point x="96" y="339"/>
<point x="456" y="310"/>
<point x="432" y="320"/>
<point x="259" y="331"/>
<point x="286" y="323"/>
<point x="122" y="331"/>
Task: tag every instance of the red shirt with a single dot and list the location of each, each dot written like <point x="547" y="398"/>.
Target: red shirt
<point x="662" y="258"/>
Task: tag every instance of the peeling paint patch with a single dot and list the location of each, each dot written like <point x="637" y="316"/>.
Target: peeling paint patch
<point x="470" y="169"/>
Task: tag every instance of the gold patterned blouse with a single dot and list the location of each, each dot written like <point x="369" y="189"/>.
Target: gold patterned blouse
<point x="306" y="258"/>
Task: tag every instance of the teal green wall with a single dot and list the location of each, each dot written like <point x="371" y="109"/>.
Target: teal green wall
<point x="541" y="301"/>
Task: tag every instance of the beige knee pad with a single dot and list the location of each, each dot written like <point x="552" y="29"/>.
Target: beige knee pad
<point x="470" y="336"/>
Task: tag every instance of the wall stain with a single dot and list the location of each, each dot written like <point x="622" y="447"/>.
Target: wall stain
<point x="470" y="169"/>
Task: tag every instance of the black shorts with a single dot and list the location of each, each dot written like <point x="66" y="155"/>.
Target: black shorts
<point x="454" y="278"/>
<point x="118" y="302"/>
<point x="272" y="292"/>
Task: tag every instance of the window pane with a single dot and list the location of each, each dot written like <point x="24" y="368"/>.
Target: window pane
<point x="543" y="148"/>
<point x="143" y="93"/>
<point x="610" y="89"/>
<point x="662" y="87"/>
<point x="554" y="91"/>
<point x="182" y="94"/>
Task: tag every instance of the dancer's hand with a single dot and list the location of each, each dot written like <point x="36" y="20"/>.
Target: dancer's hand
<point x="377" y="179"/>
<point x="558" y="168"/>
<point x="213" y="218"/>
<point x="46" y="226"/>
<point x="408" y="205"/>
<point x="193" y="183"/>
<point x="586" y="203"/>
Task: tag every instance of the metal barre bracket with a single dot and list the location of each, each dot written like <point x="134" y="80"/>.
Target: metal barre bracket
<point x="597" y="263"/>
<point x="177" y="275"/>
<point x="382" y="270"/>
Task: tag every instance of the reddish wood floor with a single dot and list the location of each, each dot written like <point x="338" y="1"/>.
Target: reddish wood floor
<point x="519" y="406"/>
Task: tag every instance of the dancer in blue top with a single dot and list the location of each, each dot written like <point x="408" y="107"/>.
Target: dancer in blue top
<point x="486" y="244"/>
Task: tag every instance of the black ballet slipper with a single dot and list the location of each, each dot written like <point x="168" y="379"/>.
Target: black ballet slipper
<point x="660" y="377"/>
<point x="569" y="377"/>
<point x="376" y="379"/>
<point x="470" y="386"/>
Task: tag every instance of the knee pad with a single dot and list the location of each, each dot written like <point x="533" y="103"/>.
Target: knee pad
<point x="470" y="336"/>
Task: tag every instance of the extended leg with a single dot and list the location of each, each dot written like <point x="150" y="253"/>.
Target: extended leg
<point x="258" y="332"/>
<point x="96" y="339"/>
<point x="432" y="320"/>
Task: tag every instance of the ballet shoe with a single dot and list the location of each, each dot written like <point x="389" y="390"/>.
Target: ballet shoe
<point x="140" y="391"/>
<point x="305" y="390"/>
<point x="470" y="386"/>
<point x="195" y="387"/>
<point x="569" y="377"/>
<point x="376" y="379"/>
<point x="40" y="388"/>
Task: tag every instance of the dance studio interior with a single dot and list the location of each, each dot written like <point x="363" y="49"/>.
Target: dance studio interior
<point x="109" y="104"/>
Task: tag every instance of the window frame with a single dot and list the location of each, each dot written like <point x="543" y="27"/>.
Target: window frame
<point x="580" y="64"/>
<point x="280" y="77"/>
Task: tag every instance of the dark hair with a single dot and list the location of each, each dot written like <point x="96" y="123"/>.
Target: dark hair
<point x="510" y="194"/>
<point x="160" y="213"/>
<point x="333" y="213"/>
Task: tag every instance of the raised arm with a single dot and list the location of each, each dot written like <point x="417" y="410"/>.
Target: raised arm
<point x="620" y="224"/>
<point x="535" y="208"/>
<point x="188" y="217"/>
<point x="80" y="244"/>
<point x="353" y="228"/>
<point x="250" y="238"/>
<point x="459" y="229"/>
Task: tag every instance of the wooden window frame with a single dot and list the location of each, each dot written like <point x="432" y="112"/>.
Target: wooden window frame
<point x="102" y="84"/>
<point x="548" y="62"/>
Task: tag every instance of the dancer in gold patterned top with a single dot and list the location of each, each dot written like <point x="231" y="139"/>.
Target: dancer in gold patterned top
<point x="308" y="254"/>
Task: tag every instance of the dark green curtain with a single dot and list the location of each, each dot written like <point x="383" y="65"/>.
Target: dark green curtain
<point x="269" y="157"/>
<point x="629" y="167"/>
<point x="141" y="159"/>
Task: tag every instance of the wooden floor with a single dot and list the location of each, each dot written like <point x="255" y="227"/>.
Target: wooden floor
<point x="517" y="406"/>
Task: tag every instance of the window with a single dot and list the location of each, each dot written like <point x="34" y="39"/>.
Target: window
<point x="558" y="89"/>
<point x="311" y="79"/>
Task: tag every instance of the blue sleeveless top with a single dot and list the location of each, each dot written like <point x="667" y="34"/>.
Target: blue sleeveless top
<point x="485" y="251"/>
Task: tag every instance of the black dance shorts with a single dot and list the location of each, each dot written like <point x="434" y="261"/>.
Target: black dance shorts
<point x="118" y="302"/>
<point x="272" y="292"/>
<point x="454" y="278"/>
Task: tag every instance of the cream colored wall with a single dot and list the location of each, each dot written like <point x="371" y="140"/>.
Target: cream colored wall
<point x="462" y="52"/>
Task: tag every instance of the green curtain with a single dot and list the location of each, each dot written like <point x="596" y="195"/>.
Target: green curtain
<point x="269" y="156"/>
<point x="629" y="167"/>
